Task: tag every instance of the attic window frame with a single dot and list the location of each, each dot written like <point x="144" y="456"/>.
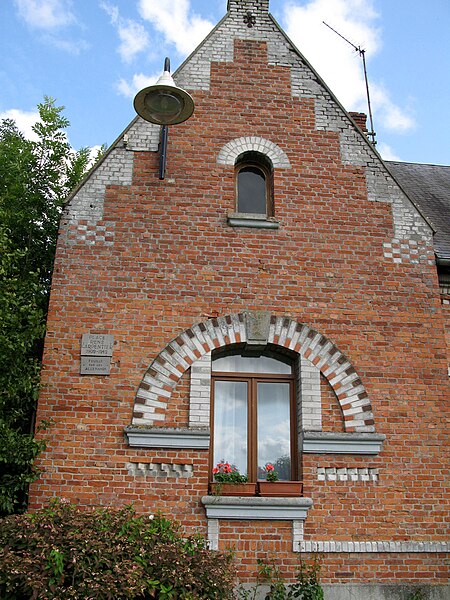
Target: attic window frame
<point x="259" y="162"/>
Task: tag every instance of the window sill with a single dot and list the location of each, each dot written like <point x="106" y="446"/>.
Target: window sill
<point x="168" y="438"/>
<point x="324" y="442"/>
<point x="256" y="508"/>
<point x="257" y="221"/>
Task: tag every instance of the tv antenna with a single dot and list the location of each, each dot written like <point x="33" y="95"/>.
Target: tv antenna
<point x="362" y="53"/>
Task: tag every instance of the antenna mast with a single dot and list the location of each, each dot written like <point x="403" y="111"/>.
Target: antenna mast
<point x="362" y="53"/>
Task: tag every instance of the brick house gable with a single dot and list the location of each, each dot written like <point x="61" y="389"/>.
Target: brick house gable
<point x="338" y="279"/>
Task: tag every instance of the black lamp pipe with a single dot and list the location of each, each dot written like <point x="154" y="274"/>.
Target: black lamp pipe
<point x="163" y="154"/>
<point x="164" y="135"/>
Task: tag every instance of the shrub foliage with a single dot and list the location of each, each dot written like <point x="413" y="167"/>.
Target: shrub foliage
<point x="307" y="586"/>
<point x="62" y="552"/>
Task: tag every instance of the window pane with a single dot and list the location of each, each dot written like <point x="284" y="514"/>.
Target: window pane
<point x="274" y="428"/>
<point x="234" y="363"/>
<point x="251" y="184"/>
<point x="230" y="424"/>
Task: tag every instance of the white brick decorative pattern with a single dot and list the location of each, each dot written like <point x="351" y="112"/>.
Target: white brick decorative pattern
<point x="200" y="393"/>
<point x="413" y="235"/>
<point x="82" y="218"/>
<point x="142" y="136"/>
<point x="310" y="400"/>
<point x="297" y="534"/>
<point x="141" y="469"/>
<point x="213" y="534"/>
<point x="165" y="371"/>
<point x="407" y="250"/>
<point x="384" y="546"/>
<point x="346" y="474"/>
<point x="218" y="46"/>
<point x="231" y="151"/>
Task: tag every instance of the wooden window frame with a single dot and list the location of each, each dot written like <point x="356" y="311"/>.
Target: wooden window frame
<point x="255" y="163"/>
<point x="252" y="380"/>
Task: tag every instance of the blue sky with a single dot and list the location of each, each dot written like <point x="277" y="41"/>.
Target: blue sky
<point x="94" y="55"/>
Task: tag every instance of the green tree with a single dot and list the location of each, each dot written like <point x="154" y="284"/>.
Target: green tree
<point x="35" y="179"/>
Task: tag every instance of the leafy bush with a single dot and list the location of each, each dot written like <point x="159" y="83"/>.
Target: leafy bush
<point x="417" y="595"/>
<point x="62" y="552"/>
<point x="307" y="586"/>
<point x="308" y="582"/>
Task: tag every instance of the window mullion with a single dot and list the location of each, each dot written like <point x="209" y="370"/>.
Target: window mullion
<point x="252" y="429"/>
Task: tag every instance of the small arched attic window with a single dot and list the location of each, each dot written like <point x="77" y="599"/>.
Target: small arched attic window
<point x="254" y="184"/>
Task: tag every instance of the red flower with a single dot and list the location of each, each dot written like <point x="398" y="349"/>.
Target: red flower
<point x="270" y="467"/>
<point x="215" y="470"/>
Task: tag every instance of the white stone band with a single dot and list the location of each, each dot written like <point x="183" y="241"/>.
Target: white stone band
<point x="374" y="547"/>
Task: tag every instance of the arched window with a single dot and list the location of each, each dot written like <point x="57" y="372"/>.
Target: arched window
<point x="254" y="184"/>
<point x="254" y="415"/>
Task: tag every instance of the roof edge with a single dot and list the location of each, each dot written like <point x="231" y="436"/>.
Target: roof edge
<point x="408" y="162"/>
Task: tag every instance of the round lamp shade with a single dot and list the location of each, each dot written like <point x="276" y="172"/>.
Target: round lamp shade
<point x="164" y="103"/>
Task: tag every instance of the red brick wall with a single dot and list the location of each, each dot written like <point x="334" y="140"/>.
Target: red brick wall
<point x="268" y="542"/>
<point x="332" y="417"/>
<point x="446" y="311"/>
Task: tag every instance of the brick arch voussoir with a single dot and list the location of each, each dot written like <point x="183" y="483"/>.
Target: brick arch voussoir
<point x="229" y="153"/>
<point x="165" y="371"/>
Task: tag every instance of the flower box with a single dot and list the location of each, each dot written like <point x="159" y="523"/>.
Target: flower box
<point x="280" y="488"/>
<point x="233" y="489"/>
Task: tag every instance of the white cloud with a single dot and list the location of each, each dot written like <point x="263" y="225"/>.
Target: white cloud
<point x="173" y="20"/>
<point x="71" y="47"/>
<point x="386" y="152"/>
<point x="337" y="62"/>
<point x="129" y="89"/>
<point x="133" y="36"/>
<point x="24" y="121"/>
<point x="393" y="117"/>
<point x="133" y="39"/>
<point x="45" y="14"/>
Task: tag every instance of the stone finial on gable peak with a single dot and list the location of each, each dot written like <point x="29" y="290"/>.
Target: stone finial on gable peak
<point x="244" y="6"/>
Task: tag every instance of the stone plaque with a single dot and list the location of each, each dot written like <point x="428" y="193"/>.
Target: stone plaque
<point x="257" y="323"/>
<point x="95" y="365"/>
<point x="97" y="344"/>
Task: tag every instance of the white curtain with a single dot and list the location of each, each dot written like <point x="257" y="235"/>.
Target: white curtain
<point x="230" y="424"/>
<point x="274" y="428"/>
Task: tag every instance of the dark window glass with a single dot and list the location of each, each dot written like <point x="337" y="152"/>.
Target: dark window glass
<point x="251" y="190"/>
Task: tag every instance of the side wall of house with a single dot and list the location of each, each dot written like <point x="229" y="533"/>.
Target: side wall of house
<point x="146" y="261"/>
<point x="446" y="311"/>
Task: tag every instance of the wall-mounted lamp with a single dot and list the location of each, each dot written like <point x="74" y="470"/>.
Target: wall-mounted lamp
<point x="164" y="104"/>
